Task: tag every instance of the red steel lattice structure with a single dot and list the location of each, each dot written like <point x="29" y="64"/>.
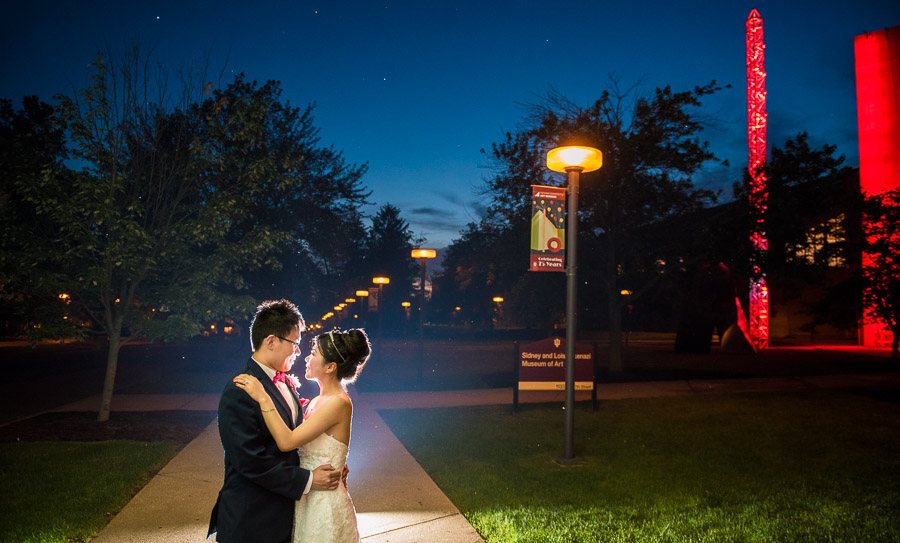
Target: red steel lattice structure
<point x="759" y="194"/>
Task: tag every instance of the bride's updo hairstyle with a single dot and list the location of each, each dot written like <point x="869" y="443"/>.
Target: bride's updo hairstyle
<point x="349" y="350"/>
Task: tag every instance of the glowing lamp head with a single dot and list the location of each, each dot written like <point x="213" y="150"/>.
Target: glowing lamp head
<point x="498" y="299"/>
<point x="349" y="300"/>
<point x="406" y="304"/>
<point x="424" y="253"/>
<point x="362" y="293"/>
<point x="381" y="280"/>
<point x="574" y="157"/>
<point x="337" y="308"/>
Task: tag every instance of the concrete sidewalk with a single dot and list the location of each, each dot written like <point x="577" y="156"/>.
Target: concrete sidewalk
<point x="396" y="501"/>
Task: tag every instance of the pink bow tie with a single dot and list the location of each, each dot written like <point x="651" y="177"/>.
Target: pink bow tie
<point x="280" y="376"/>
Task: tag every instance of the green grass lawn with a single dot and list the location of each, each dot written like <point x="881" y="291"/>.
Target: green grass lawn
<point x="66" y="491"/>
<point x="816" y="466"/>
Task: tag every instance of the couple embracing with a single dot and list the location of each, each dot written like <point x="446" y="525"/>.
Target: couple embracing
<point x="285" y="461"/>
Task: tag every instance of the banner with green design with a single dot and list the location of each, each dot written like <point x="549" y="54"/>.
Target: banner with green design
<point x="548" y="228"/>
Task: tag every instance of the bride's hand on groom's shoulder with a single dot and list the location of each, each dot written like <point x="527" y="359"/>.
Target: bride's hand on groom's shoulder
<point x="251" y="386"/>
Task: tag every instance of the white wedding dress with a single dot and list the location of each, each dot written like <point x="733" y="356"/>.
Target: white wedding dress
<point x="325" y="516"/>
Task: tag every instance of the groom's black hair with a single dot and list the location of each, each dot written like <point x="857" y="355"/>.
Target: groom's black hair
<point x="274" y="318"/>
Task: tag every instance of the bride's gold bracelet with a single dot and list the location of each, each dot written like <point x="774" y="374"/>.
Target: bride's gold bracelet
<point x="267" y="410"/>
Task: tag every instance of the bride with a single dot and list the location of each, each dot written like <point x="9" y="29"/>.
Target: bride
<point x="324" y="436"/>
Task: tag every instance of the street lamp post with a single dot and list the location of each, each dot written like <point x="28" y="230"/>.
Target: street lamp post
<point x="625" y="293"/>
<point x="499" y="301"/>
<point x="572" y="160"/>
<point x="381" y="282"/>
<point x="363" y="295"/>
<point x="350" y="302"/>
<point x="406" y="306"/>
<point x="423" y="255"/>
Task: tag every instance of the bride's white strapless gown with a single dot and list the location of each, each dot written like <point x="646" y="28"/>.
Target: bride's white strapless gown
<point x="325" y="516"/>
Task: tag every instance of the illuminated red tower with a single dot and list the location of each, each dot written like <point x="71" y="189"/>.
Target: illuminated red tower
<point x="878" y="116"/>
<point x="759" y="194"/>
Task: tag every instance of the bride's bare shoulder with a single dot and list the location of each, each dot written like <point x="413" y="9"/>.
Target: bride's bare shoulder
<point x="339" y="401"/>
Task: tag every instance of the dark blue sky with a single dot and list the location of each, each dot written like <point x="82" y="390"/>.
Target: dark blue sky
<point x="416" y="89"/>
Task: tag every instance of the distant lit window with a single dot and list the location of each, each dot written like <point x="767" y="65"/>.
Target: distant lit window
<point x="822" y="244"/>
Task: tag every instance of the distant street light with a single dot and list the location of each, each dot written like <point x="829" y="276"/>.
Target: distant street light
<point x="406" y="306"/>
<point x="573" y="160"/>
<point x="363" y="295"/>
<point x="423" y="255"/>
<point x="499" y="301"/>
<point x="625" y="293"/>
<point x="381" y="282"/>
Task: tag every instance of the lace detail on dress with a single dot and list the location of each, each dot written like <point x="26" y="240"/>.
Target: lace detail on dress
<point x="322" y="515"/>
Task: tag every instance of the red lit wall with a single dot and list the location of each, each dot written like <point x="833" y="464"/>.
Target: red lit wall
<point x="878" y="114"/>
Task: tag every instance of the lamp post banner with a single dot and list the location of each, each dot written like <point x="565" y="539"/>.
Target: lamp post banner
<point x="542" y="365"/>
<point x="548" y="228"/>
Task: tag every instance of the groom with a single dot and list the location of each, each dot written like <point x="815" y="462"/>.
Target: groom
<point x="256" y="502"/>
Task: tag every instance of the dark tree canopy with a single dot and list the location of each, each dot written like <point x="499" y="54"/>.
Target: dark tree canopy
<point x="388" y="246"/>
<point x="881" y="266"/>
<point x="175" y="205"/>
<point x="651" y="149"/>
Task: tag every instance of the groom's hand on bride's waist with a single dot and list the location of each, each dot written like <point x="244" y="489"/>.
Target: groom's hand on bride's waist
<point x="325" y="478"/>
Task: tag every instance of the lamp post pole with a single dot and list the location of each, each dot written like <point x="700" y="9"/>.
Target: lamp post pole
<point x="572" y="160"/>
<point x="363" y="296"/>
<point x="423" y="255"/>
<point x="381" y="282"/>
<point x="499" y="301"/>
<point x="571" y="308"/>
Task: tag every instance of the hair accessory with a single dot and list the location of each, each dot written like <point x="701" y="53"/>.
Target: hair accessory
<point x="331" y="335"/>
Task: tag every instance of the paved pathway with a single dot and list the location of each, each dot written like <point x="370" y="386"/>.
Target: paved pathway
<point x="395" y="499"/>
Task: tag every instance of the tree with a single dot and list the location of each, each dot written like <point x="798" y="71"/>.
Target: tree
<point x="813" y="227"/>
<point x="297" y="186"/>
<point x="180" y="195"/>
<point x="651" y="148"/>
<point x="469" y="276"/>
<point x="881" y="263"/>
<point x="388" y="247"/>
<point x="32" y="147"/>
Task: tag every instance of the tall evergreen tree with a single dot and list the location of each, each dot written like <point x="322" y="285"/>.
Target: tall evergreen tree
<point x="389" y="244"/>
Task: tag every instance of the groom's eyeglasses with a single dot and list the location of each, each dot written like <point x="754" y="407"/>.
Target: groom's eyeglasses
<point x="296" y="343"/>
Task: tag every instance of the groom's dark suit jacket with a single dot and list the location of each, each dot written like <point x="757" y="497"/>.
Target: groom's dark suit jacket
<point x="256" y="503"/>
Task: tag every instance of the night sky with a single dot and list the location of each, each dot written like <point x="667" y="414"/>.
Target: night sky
<point x="417" y="89"/>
